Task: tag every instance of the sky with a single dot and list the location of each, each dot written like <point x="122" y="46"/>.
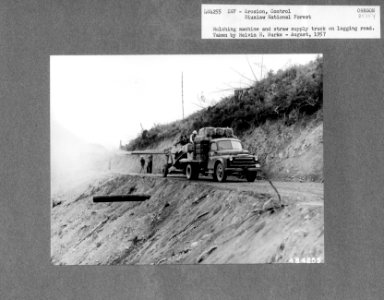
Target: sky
<point x="106" y="99"/>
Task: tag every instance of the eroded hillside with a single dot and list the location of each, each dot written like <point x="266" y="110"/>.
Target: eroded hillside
<point x="187" y="222"/>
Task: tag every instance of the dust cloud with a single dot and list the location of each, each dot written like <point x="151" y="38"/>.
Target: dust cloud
<point x="74" y="160"/>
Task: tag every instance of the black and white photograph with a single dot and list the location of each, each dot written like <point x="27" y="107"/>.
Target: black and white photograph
<point x="186" y="159"/>
<point x="184" y="149"/>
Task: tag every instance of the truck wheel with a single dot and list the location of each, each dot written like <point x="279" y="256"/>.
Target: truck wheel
<point x="165" y="171"/>
<point x="220" y="172"/>
<point x="251" y="176"/>
<point x="191" y="172"/>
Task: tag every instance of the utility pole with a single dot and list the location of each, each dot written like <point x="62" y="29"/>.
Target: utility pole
<point x="261" y="68"/>
<point x="182" y="93"/>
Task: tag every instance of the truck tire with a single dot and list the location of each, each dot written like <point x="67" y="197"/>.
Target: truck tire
<point x="220" y="173"/>
<point x="165" y="170"/>
<point x="214" y="176"/>
<point x="251" y="176"/>
<point x="191" y="172"/>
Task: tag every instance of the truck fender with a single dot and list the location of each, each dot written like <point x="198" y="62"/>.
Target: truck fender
<point x="220" y="159"/>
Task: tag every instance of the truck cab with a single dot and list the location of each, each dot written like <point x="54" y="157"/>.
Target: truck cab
<point x="226" y="156"/>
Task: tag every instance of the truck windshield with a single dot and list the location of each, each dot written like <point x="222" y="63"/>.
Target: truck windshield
<point x="229" y="145"/>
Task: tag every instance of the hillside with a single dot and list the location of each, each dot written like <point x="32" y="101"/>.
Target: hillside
<point x="187" y="222"/>
<point x="279" y="119"/>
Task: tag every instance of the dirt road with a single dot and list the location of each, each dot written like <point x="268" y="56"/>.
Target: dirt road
<point x="305" y="192"/>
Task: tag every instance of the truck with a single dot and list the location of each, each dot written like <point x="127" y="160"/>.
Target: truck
<point x="216" y="152"/>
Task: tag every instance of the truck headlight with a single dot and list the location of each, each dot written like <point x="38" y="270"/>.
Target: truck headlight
<point x="258" y="166"/>
<point x="230" y="158"/>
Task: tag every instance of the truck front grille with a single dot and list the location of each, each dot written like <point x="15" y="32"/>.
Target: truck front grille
<point x="240" y="162"/>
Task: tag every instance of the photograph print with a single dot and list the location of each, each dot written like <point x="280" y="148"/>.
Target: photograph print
<point x="186" y="159"/>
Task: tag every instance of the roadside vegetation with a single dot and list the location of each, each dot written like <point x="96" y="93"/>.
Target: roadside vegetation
<point x="287" y="96"/>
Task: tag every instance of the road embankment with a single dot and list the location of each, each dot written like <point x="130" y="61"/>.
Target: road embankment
<point x="186" y="222"/>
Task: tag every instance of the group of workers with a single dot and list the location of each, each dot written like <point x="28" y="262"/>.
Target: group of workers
<point x="149" y="164"/>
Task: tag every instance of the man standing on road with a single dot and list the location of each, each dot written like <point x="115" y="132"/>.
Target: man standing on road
<point x="142" y="163"/>
<point x="149" y="164"/>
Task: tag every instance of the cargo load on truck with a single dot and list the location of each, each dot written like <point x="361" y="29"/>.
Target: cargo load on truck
<point x="207" y="133"/>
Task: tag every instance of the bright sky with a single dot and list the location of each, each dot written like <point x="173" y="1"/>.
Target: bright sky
<point x="103" y="99"/>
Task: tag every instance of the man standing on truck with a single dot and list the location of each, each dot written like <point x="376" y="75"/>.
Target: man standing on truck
<point x="192" y="137"/>
<point x="183" y="140"/>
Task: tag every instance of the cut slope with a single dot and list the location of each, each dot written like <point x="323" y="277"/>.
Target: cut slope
<point x="289" y="152"/>
<point x="183" y="222"/>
